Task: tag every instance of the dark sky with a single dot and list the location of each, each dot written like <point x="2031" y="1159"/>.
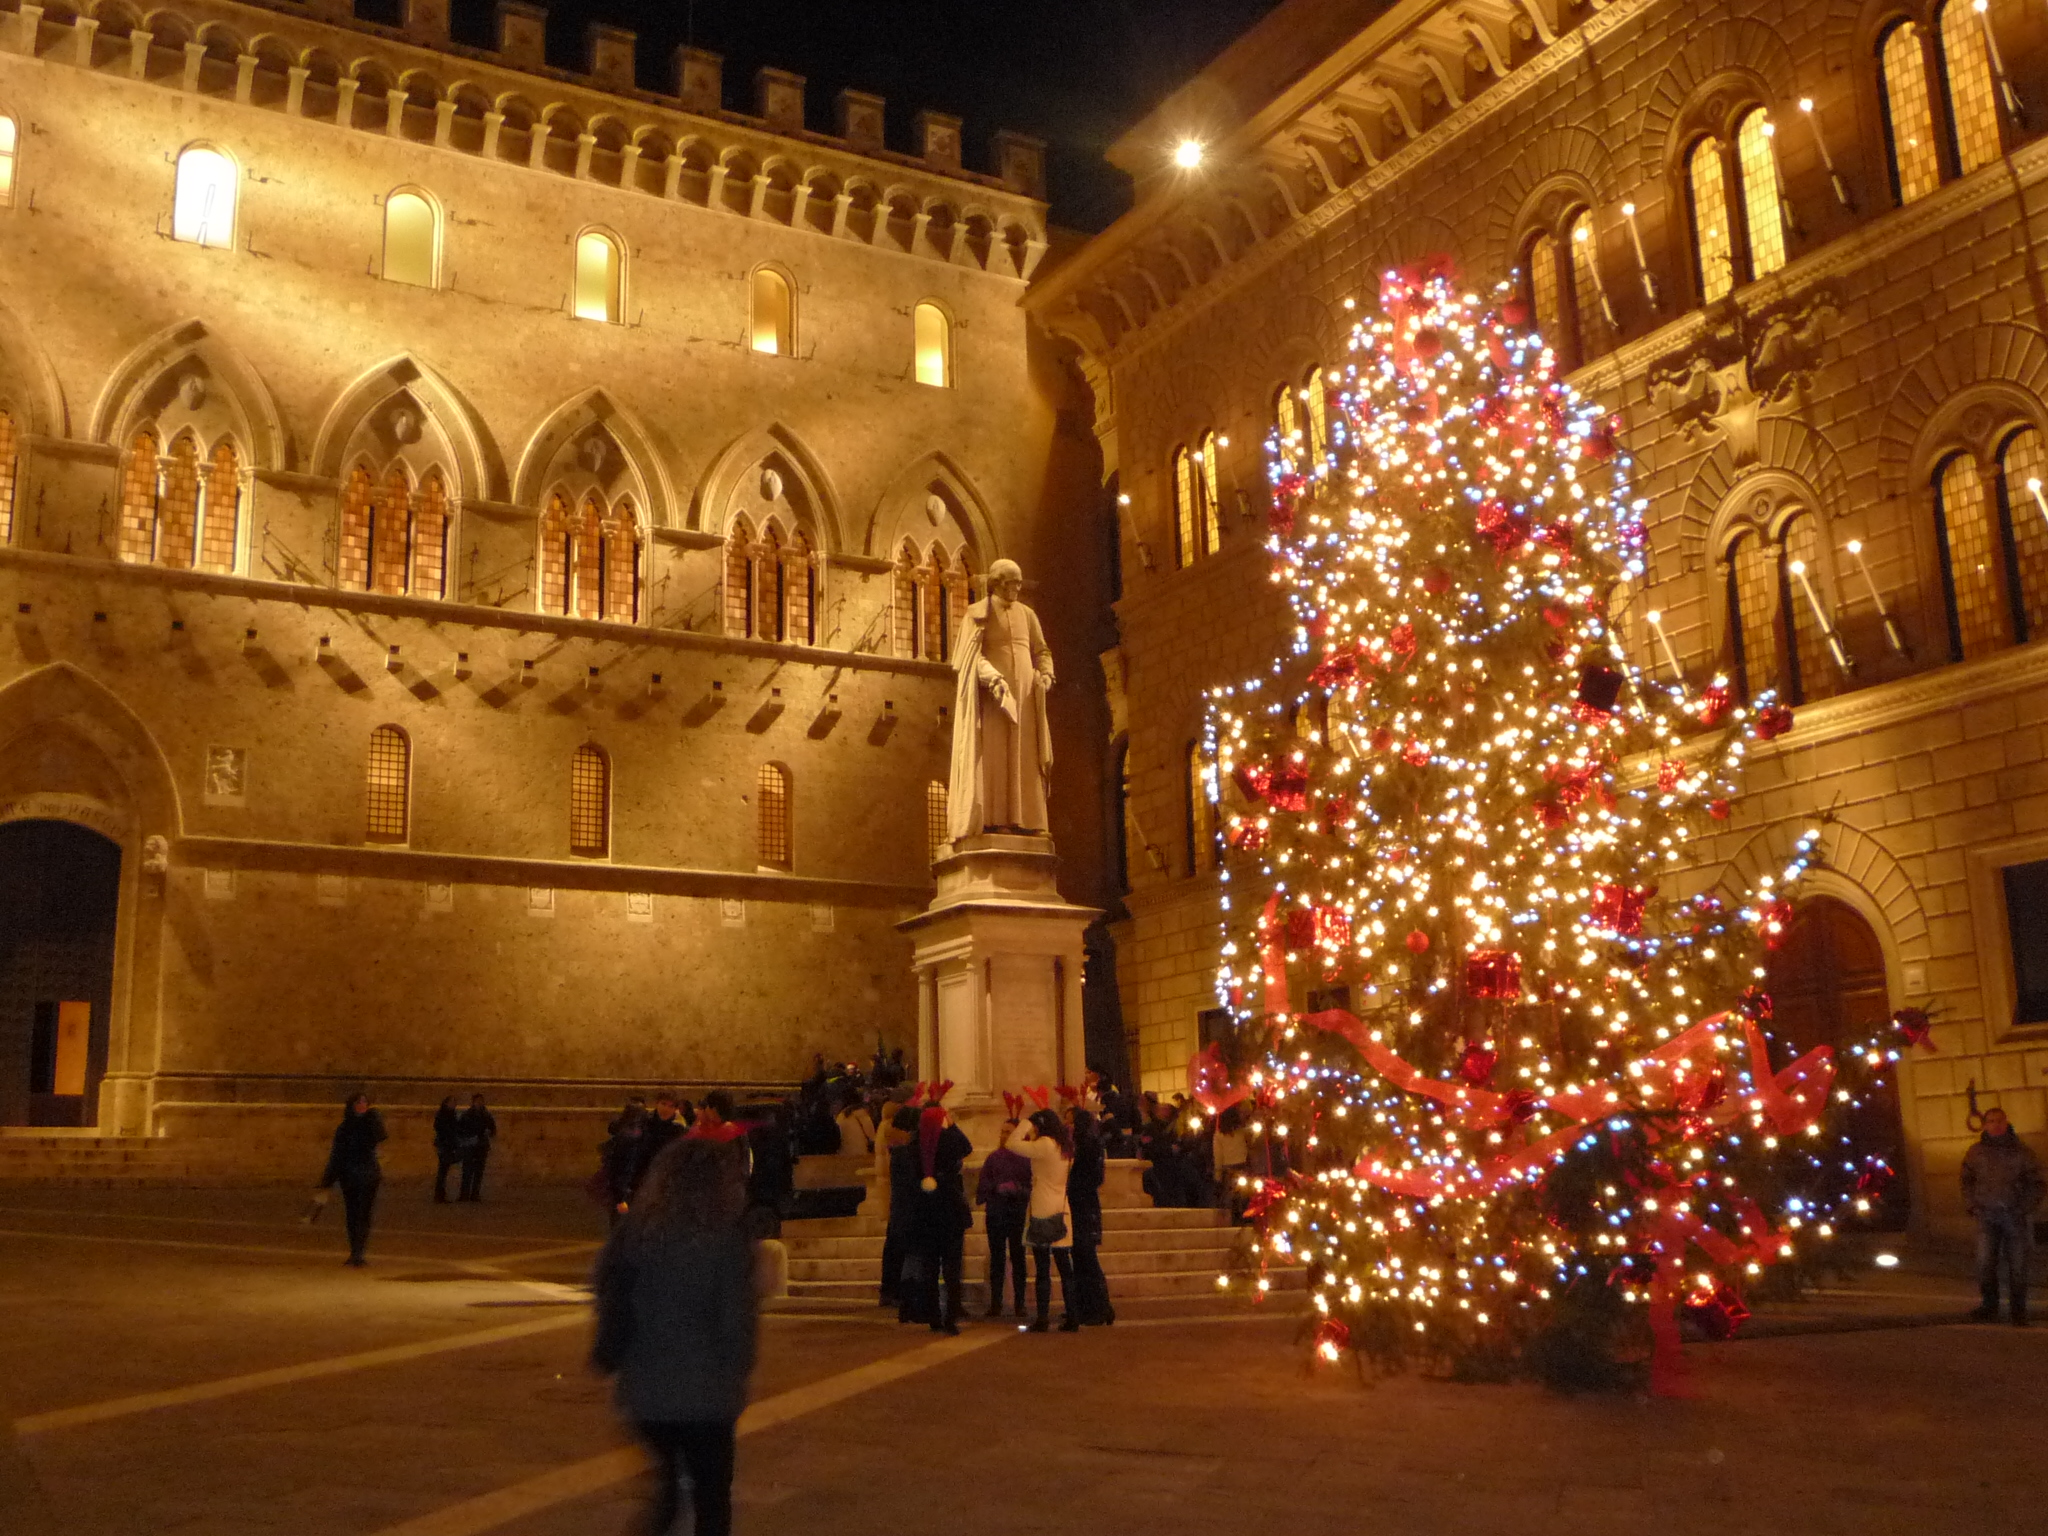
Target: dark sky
<point x="1074" y="72"/>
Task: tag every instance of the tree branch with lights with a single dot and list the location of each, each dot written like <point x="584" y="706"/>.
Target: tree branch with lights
<point x="1521" y="1102"/>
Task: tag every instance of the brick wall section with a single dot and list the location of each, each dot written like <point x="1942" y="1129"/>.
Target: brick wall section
<point x="1935" y="774"/>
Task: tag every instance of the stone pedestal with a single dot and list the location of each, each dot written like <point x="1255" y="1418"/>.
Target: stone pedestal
<point x="998" y="959"/>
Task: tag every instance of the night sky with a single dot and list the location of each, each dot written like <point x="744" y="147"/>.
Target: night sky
<point x="1074" y="72"/>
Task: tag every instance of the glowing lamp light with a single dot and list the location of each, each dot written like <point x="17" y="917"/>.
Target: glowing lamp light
<point x="1886" y="1260"/>
<point x="1188" y="154"/>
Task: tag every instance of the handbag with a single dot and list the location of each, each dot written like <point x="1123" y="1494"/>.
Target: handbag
<point x="1044" y="1231"/>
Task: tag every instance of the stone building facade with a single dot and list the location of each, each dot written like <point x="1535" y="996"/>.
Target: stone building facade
<point x="483" y="540"/>
<point x="1796" y="248"/>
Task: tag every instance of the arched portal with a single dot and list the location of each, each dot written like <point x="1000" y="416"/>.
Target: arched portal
<point x="57" y="914"/>
<point x="1826" y="979"/>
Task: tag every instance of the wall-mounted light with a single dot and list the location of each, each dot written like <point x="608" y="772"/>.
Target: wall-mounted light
<point x="1189" y="153"/>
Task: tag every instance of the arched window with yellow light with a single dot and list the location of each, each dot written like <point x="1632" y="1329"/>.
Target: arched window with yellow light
<point x="1962" y="37"/>
<point x="1910" y="156"/>
<point x="1713" y="242"/>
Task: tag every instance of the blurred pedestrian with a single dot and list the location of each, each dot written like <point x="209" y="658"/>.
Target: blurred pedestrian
<point x="856" y="1125"/>
<point x="479" y="1128"/>
<point x="352" y="1163"/>
<point x="677" y="1321"/>
<point x="895" y="1213"/>
<point x="1004" y="1193"/>
<point x="2001" y="1187"/>
<point x="447" y="1146"/>
<point x="1090" y="1304"/>
<point x="1046" y="1228"/>
<point x="665" y="1125"/>
<point x="619" y="1161"/>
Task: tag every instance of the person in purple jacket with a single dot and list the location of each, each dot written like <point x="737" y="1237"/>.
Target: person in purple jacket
<point x="1005" y="1192"/>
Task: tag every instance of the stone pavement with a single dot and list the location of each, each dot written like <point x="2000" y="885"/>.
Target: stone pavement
<point x="197" y="1362"/>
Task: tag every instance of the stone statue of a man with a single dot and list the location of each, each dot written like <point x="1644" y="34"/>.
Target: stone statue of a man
<point x="1002" y="749"/>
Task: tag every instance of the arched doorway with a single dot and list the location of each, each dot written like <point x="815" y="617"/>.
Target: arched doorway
<point x="59" y="891"/>
<point x="1826" y="979"/>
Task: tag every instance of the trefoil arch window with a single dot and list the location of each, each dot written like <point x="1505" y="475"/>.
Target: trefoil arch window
<point x="932" y="336"/>
<point x="590" y="802"/>
<point x="394" y="532"/>
<point x="771" y="584"/>
<point x="600" y="278"/>
<point x="773" y="847"/>
<point x="931" y="598"/>
<point x="181" y="509"/>
<point x="771" y="327"/>
<point x="203" y="202"/>
<point x="412" y="239"/>
<point x="590" y="558"/>
<point x="387" y="804"/>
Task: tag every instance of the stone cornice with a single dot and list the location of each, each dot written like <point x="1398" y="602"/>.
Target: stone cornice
<point x="443" y="613"/>
<point x="433" y="867"/>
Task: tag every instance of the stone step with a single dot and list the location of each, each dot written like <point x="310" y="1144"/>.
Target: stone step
<point x="1123" y="1218"/>
<point x="1120" y="1240"/>
<point x="1151" y="1286"/>
<point x="1210" y="1260"/>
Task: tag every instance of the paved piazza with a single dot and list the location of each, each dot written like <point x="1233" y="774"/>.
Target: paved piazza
<point x="197" y="1361"/>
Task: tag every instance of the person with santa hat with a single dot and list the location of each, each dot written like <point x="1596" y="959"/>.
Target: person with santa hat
<point x="938" y="1219"/>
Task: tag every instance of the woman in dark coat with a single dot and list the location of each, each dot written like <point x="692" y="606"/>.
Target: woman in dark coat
<point x="479" y="1128"/>
<point x="939" y="1219"/>
<point x="1084" y="1202"/>
<point x="447" y="1146"/>
<point x="352" y="1163"/>
<point x="677" y="1320"/>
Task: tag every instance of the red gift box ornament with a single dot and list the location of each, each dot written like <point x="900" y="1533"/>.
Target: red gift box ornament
<point x="1416" y="754"/>
<point x="1493" y="973"/>
<point x="1402" y="643"/>
<point x="1715" y="703"/>
<point x="1669" y="772"/>
<point x="1619" y="908"/>
<point x="1773" y="722"/>
<point x="1339" y="666"/>
<point x="1246" y="836"/>
<point x="1252" y="780"/>
<point x="1915" y="1025"/>
<point x="1288" y="789"/>
<point x="1301" y="927"/>
<point x="1599" y="690"/>
<point x="1875" y="1179"/>
<point x="1309" y="927"/>
<point x="1718" y="1312"/>
<point x="1478" y="1062"/>
<point x="1773" y="918"/>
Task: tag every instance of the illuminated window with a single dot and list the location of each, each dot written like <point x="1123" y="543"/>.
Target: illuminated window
<point x="590" y="802"/>
<point x="932" y="605"/>
<point x="2023" y="465"/>
<point x="391" y="531"/>
<point x="739" y="580"/>
<point x="1201" y="819"/>
<point x="1813" y="673"/>
<point x="9" y="468"/>
<point x="358" y="495"/>
<point x="412" y="236"/>
<point x="959" y="595"/>
<point x="177" y="505"/>
<point x="597" y="277"/>
<point x="935" y="819"/>
<point x="933" y="334"/>
<point x="1287" y="423"/>
<point x="1713" y="249"/>
<point x="768" y="574"/>
<point x="388" y="786"/>
<point x="1966" y="76"/>
<point x="1210" y="496"/>
<point x="1908" y="118"/>
<point x="770" y="330"/>
<point x="1969" y="561"/>
<point x="618" y="565"/>
<point x="800" y="594"/>
<point x="1586" y="287"/>
<point x="1752" y="613"/>
<point x="1316" y="399"/>
<point x="139" y="479"/>
<point x="557" y="536"/>
<point x="910" y="598"/>
<point x="586" y="560"/>
<point x="1762" y="213"/>
<point x="1184" y="494"/>
<point x="1546" y="293"/>
<point x="771" y="821"/>
<point x="220" y="517"/>
<point x="203" y="208"/>
<point x="430" y="537"/>
<point x="7" y="143"/>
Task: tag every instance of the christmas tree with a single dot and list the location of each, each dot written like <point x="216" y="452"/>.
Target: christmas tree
<point x="1520" y="1098"/>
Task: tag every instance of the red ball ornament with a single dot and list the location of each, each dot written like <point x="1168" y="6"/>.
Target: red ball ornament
<point x="1515" y="312"/>
<point x="1429" y="342"/>
<point x="1556" y="615"/>
<point x="1718" y="809"/>
<point x="1773" y="722"/>
<point x="1478" y="1062"/>
<point x="1436" y="581"/>
<point x="1418" y="942"/>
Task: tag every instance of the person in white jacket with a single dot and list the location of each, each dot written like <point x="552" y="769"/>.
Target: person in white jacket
<point x="1049" y="1227"/>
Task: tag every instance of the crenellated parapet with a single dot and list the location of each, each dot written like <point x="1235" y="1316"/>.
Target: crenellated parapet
<point x="591" y="123"/>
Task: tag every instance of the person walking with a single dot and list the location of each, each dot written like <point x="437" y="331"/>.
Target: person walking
<point x="677" y="1322"/>
<point x="939" y="1219"/>
<point x="895" y="1214"/>
<point x="1004" y="1193"/>
<point x="2001" y="1187"/>
<point x="1047" y="1227"/>
<point x="1084" y="1204"/>
<point x="447" y="1151"/>
<point x="352" y="1163"/>
<point x="479" y="1129"/>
